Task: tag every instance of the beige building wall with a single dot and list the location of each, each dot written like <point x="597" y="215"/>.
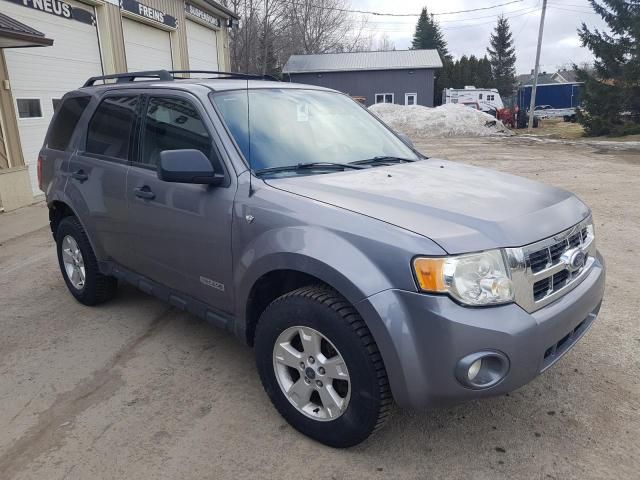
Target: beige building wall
<point x="8" y="122"/>
<point x="112" y="37"/>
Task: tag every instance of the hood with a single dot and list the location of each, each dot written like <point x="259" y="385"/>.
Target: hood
<point x="461" y="207"/>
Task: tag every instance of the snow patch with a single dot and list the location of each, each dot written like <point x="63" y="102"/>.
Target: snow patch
<point x="449" y="120"/>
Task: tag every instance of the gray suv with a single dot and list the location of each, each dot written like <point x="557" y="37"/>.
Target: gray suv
<point x="361" y="271"/>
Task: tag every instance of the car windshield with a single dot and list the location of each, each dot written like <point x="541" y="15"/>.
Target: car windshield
<point x="289" y="127"/>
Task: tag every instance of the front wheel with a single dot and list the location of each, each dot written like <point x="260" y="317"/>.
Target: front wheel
<point x="321" y="367"/>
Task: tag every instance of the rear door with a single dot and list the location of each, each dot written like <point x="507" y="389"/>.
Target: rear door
<point x="98" y="175"/>
<point x="181" y="233"/>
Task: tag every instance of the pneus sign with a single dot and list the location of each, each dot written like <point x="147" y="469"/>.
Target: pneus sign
<point x="149" y="13"/>
<point x="59" y="9"/>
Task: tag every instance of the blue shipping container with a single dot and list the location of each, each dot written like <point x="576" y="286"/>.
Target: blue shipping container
<point x="558" y="95"/>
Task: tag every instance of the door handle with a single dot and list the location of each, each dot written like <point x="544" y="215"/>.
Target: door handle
<point x="80" y="175"/>
<point x="144" y="192"/>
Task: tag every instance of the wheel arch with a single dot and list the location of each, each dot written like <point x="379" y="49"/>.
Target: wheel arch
<point x="59" y="208"/>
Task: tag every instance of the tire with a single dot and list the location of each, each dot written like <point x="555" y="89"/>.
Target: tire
<point x="96" y="287"/>
<point x="368" y="398"/>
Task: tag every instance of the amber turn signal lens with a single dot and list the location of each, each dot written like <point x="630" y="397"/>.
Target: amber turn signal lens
<point x="429" y="272"/>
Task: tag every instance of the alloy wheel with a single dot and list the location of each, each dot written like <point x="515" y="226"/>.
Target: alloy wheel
<point x="312" y="373"/>
<point x="73" y="262"/>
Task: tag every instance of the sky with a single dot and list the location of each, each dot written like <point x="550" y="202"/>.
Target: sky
<point x="468" y="33"/>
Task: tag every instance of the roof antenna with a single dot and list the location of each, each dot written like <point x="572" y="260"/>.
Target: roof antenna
<point x="249" y="140"/>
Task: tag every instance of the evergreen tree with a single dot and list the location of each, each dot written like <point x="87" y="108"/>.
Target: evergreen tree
<point x="502" y="55"/>
<point x="429" y="36"/>
<point x="484" y="76"/>
<point x="614" y="87"/>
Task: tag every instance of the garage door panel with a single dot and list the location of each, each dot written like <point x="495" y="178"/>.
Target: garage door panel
<point x="202" y="43"/>
<point x="47" y="73"/>
<point x="146" y="47"/>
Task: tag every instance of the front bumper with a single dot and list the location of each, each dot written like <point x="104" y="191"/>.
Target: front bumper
<point x="421" y="338"/>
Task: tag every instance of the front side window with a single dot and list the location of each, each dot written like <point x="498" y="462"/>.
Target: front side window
<point x="111" y="127"/>
<point x="172" y="124"/>
<point x="66" y="121"/>
<point x="284" y="127"/>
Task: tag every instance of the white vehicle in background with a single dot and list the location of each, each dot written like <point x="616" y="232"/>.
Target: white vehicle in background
<point x="487" y="99"/>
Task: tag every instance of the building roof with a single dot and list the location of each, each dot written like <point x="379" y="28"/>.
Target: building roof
<point x="568" y="76"/>
<point x="344" y="62"/>
<point x="16" y="34"/>
<point x="543" y="77"/>
<point x="222" y="9"/>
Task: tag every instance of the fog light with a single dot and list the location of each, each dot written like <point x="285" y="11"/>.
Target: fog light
<point x="482" y="370"/>
<point x="474" y="369"/>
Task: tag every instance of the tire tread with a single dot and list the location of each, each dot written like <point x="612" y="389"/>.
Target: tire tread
<point x="333" y="300"/>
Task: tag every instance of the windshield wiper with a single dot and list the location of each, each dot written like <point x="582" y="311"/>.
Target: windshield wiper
<point x="382" y="160"/>
<point x="308" y="166"/>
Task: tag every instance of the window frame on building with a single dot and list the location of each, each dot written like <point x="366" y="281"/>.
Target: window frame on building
<point x="29" y="99"/>
<point x="384" y="97"/>
<point x="408" y="95"/>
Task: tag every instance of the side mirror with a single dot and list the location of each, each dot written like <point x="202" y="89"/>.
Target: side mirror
<point x="187" y="166"/>
<point x="405" y="139"/>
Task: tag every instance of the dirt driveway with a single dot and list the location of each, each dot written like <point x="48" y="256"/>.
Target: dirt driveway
<point x="137" y="390"/>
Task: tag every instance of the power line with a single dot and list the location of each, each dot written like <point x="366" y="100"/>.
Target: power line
<point x="534" y="9"/>
<point x="456" y="20"/>
<point x="399" y="29"/>
<point x="524" y="24"/>
<point x="368" y="12"/>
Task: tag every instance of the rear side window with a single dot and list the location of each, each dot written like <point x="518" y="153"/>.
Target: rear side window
<point x="172" y="124"/>
<point x="66" y="121"/>
<point x="111" y="127"/>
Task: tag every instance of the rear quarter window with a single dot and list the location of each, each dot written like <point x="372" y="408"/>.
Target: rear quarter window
<point x="65" y="122"/>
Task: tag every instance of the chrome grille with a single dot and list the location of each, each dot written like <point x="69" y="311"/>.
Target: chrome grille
<point x="540" y="271"/>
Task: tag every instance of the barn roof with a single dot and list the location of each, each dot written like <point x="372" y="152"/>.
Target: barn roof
<point x="353" y="61"/>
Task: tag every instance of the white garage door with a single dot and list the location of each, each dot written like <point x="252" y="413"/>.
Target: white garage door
<point x="146" y="47"/>
<point x="40" y="76"/>
<point x="202" y="43"/>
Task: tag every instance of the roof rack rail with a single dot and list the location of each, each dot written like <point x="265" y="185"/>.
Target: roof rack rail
<point x="248" y="76"/>
<point x="131" y="77"/>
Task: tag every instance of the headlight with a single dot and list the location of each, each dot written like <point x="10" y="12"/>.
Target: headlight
<point x="475" y="279"/>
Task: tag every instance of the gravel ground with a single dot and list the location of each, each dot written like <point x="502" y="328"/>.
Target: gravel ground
<point x="134" y="389"/>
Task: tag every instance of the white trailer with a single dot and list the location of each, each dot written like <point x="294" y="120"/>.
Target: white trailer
<point x="485" y="99"/>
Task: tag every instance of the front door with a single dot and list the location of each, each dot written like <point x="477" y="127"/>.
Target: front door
<point x="181" y="232"/>
<point x="410" y="98"/>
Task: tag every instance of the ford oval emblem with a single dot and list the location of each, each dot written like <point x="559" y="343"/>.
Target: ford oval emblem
<point x="574" y="259"/>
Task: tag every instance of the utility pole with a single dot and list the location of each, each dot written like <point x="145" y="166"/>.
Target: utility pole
<point x="537" y="69"/>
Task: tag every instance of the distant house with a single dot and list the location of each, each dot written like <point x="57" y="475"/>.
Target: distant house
<point x="561" y="76"/>
<point x="565" y="76"/>
<point x="543" y="78"/>
<point x="403" y="77"/>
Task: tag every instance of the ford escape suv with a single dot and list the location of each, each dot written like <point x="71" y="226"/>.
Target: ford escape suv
<point x="361" y="271"/>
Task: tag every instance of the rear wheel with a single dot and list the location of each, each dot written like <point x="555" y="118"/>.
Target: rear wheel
<point x="321" y="367"/>
<point x="79" y="266"/>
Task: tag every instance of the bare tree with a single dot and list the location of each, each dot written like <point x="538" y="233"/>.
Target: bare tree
<point x="270" y="31"/>
<point x="384" y="43"/>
